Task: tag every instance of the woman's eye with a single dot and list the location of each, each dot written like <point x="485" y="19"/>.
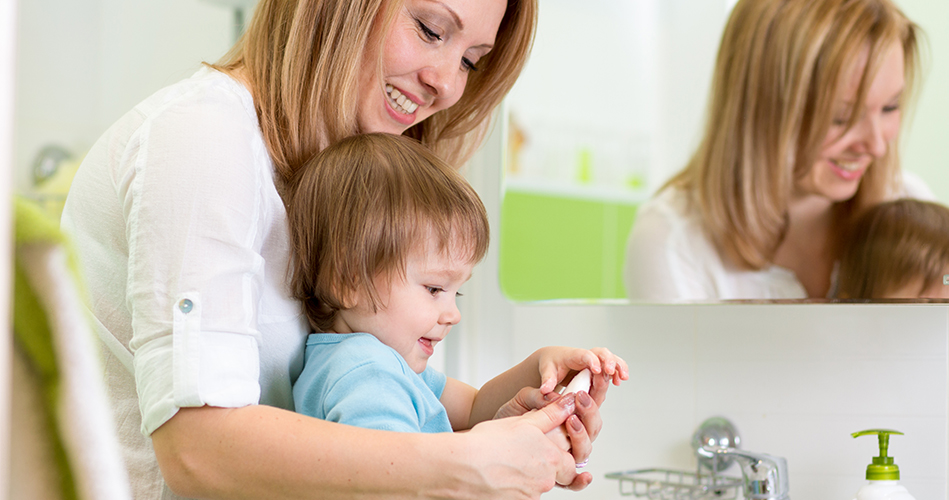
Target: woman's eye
<point x="428" y="32"/>
<point x="891" y="108"/>
<point x="467" y="65"/>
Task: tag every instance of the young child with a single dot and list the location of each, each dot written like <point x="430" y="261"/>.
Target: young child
<point x="897" y="250"/>
<point x="384" y="235"/>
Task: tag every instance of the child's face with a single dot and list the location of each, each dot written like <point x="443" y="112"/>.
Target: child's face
<point x="414" y="313"/>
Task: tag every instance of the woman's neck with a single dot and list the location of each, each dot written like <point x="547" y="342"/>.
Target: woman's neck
<point x="808" y="248"/>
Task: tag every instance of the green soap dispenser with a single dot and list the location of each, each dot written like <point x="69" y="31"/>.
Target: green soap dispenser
<point x="882" y="474"/>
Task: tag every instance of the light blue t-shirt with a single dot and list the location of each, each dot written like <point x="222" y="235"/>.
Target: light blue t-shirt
<point x="357" y="380"/>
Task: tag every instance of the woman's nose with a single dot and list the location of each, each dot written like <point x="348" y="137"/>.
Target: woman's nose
<point x="872" y="137"/>
<point x="441" y="78"/>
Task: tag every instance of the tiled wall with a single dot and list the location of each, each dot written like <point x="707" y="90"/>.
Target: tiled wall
<point x="796" y="380"/>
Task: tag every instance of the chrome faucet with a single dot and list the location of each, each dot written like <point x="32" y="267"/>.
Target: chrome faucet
<point x="716" y="443"/>
<point x="765" y="476"/>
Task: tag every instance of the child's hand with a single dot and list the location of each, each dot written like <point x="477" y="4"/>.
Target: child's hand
<point x="555" y="363"/>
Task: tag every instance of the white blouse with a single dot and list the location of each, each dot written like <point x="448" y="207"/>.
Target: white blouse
<point x="183" y="244"/>
<point x="670" y="258"/>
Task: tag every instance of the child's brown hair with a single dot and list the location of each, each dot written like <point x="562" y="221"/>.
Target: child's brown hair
<point x="893" y="244"/>
<point x="361" y="206"/>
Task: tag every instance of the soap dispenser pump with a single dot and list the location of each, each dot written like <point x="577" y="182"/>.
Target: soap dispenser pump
<point x="883" y="474"/>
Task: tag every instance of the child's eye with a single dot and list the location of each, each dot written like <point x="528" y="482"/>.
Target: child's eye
<point x="434" y="289"/>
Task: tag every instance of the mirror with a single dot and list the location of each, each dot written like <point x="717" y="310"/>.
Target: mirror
<point x="610" y="105"/>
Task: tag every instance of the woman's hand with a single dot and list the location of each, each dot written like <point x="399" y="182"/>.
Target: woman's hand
<point x="517" y="451"/>
<point x="577" y="433"/>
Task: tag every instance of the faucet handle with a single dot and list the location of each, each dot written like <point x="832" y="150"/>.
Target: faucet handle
<point x="765" y="476"/>
<point x="715" y="432"/>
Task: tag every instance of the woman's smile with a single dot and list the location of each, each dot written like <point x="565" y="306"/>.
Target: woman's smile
<point x="400" y="106"/>
<point x="401" y="102"/>
<point x="849" y="170"/>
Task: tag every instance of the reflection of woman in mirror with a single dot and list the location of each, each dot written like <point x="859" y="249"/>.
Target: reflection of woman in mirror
<point x="177" y="215"/>
<point x="801" y="135"/>
<point x="897" y="250"/>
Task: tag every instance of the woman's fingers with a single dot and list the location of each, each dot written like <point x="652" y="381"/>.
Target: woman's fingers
<point x="574" y="478"/>
<point x="525" y="400"/>
<point x="580" y="440"/>
<point x="588" y="411"/>
<point x="520" y="462"/>
<point x="580" y="481"/>
<point x="548" y="419"/>
<point x="560" y="437"/>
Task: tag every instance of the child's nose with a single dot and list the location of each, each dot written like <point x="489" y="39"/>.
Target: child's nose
<point x="451" y="315"/>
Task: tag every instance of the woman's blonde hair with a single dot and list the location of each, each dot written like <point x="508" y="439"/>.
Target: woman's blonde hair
<point x="360" y="207"/>
<point x="892" y="245"/>
<point x="780" y="72"/>
<point x="302" y="60"/>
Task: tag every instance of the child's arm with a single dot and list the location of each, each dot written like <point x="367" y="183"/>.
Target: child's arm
<point x="544" y="369"/>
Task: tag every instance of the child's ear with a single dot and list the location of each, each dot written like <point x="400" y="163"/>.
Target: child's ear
<point x="349" y="300"/>
<point x="348" y="296"/>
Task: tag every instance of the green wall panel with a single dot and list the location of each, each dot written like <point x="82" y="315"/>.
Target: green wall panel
<point x="562" y="248"/>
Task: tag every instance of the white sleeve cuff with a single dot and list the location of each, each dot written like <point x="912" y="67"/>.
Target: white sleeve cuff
<point x="209" y="368"/>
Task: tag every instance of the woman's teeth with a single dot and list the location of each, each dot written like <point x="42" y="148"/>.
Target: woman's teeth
<point x="848" y="166"/>
<point x="398" y="101"/>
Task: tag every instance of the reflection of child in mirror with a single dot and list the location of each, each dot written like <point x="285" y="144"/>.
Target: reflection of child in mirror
<point x="384" y="235"/>
<point x="897" y="250"/>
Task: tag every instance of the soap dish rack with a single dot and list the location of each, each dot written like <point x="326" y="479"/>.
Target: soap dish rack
<point x="668" y="484"/>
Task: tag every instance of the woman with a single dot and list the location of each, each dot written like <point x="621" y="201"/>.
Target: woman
<point x="801" y="136"/>
<point x="177" y="216"/>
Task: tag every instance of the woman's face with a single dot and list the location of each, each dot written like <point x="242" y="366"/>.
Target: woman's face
<point x="846" y="154"/>
<point x="430" y="51"/>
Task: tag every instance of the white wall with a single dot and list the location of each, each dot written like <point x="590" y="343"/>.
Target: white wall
<point x="83" y="63"/>
<point x="795" y="379"/>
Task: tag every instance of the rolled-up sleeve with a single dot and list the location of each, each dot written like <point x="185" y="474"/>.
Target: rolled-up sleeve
<point x="193" y="206"/>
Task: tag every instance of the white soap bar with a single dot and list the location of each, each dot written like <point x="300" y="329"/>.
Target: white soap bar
<point x="581" y="382"/>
